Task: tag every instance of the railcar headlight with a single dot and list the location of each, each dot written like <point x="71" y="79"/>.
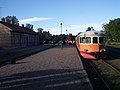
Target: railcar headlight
<point x="103" y="50"/>
<point x="85" y="50"/>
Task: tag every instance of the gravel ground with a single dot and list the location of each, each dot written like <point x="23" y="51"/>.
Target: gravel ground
<point x="54" y="69"/>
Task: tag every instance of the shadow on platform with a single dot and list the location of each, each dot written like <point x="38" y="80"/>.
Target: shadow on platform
<point x="61" y="79"/>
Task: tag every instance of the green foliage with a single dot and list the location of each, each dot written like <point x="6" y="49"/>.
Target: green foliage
<point x="108" y="42"/>
<point x="40" y="30"/>
<point x="10" y="19"/>
<point x="69" y="36"/>
<point x="112" y="30"/>
<point x="56" y="38"/>
<point x="46" y="36"/>
<point x="30" y="26"/>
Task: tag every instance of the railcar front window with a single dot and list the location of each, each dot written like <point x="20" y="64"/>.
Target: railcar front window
<point x="95" y="40"/>
<point x="102" y="40"/>
<point x="88" y="39"/>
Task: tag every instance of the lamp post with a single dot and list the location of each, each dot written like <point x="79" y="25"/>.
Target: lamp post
<point x="66" y="31"/>
<point x="61" y="34"/>
<point x="61" y="28"/>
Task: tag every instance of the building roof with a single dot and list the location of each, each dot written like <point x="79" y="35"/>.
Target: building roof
<point x="16" y="28"/>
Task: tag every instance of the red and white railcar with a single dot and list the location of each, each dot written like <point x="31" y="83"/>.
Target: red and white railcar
<point x="91" y="44"/>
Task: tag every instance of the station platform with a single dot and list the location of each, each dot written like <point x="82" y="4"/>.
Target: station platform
<point x="58" y="68"/>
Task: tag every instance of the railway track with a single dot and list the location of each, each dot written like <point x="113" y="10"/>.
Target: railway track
<point x="97" y="80"/>
<point x="117" y="70"/>
<point x="109" y="72"/>
<point x="108" y="82"/>
<point x="103" y="81"/>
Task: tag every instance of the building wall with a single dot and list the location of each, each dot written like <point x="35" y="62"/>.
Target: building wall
<point x="36" y="39"/>
<point x="5" y="36"/>
<point x="16" y="39"/>
<point x="22" y="39"/>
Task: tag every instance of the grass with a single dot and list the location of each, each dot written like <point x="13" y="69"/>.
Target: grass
<point x="109" y="74"/>
<point x="114" y="44"/>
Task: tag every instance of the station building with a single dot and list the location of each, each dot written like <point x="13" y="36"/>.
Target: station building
<point x="17" y="36"/>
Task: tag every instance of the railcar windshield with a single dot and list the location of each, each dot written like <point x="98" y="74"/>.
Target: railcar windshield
<point x="102" y="40"/>
<point x="88" y="39"/>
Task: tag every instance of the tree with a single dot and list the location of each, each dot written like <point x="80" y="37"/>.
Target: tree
<point x="30" y="26"/>
<point x="47" y="36"/>
<point x="112" y="30"/>
<point x="56" y="38"/>
<point x="14" y="20"/>
<point x="40" y="34"/>
<point x="3" y="19"/>
<point x="40" y="30"/>
<point x="69" y="36"/>
<point x="10" y="19"/>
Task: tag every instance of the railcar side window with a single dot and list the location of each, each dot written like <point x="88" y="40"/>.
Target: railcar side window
<point x="101" y="39"/>
<point x="82" y="40"/>
<point x="88" y="39"/>
<point x="85" y="39"/>
<point x="95" y="39"/>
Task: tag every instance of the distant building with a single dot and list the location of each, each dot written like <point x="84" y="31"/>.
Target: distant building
<point x="17" y="36"/>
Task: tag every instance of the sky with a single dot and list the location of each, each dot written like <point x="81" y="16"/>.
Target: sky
<point x="75" y="15"/>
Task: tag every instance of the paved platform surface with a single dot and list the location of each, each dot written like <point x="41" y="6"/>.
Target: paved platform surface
<point x="9" y="54"/>
<point x="53" y="69"/>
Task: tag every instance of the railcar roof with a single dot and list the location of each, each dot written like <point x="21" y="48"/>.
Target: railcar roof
<point x="92" y="32"/>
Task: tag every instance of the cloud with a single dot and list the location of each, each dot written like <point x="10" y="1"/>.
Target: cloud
<point x="74" y="29"/>
<point x="34" y="19"/>
<point x="85" y="26"/>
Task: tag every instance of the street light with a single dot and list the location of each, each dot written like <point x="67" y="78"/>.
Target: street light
<point x="61" y="34"/>
<point x="66" y="31"/>
<point x="61" y="28"/>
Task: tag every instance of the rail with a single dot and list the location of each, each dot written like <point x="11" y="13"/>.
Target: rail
<point x="100" y="76"/>
<point x="117" y="70"/>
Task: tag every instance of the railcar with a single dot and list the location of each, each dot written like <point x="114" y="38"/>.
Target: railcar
<point x="71" y="42"/>
<point x="91" y="44"/>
